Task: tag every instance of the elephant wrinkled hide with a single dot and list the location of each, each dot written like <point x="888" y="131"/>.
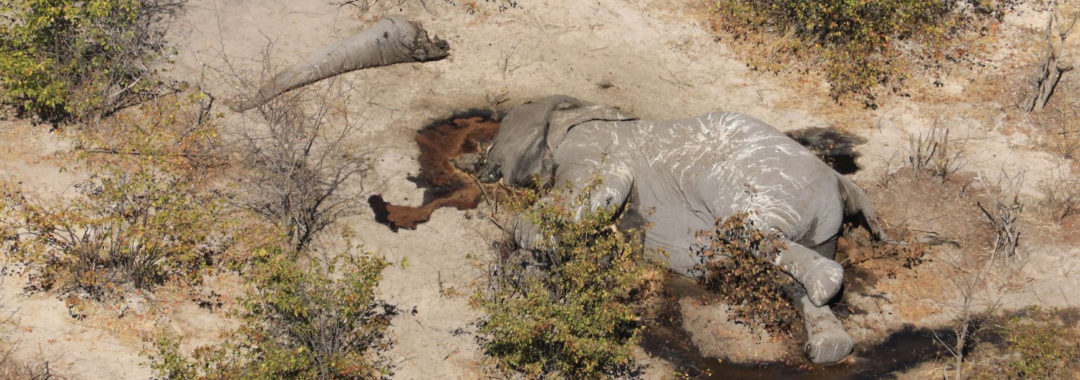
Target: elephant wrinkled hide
<point x="682" y="176"/>
<point x="389" y="41"/>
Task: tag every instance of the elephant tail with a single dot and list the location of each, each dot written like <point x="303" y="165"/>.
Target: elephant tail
<point x="834" y="147"/>
<point x="856" y="202"/>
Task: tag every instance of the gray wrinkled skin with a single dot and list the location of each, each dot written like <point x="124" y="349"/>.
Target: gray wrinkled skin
<point x="389" y="41"/>
<point x="684" y="174"/>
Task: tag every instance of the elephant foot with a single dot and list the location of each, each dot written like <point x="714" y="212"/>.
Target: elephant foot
<point x="828" y="345"/>
<point x="823" y="280"/>
<point x="826" y="342"/>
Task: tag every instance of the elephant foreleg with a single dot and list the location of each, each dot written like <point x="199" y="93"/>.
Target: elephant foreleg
<point x="821" y="277"/>
<point x="827" y="341"/>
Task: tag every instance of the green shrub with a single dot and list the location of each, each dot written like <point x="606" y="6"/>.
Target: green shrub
<point x="145" y="214"/>
<point x="63" y="58"/>
<point x="736" y="264"/>
<point x="1040" y="347"/>
<point x="319" y="321"/>
<point x="856" y="39"/>
<point x="578" y="317"/>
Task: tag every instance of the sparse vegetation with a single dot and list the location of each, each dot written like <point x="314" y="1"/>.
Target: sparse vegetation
<point x="935" y="153"/>
<point x="144" y="215"/>
<point x="857" y="42"/>
<point x="1004" y="215"/>
<point x="301" y="173"/>
<point x="63" y="59"/>
<point x="737" y="266"/>
<point x="1061" y="197"/>
<point x="573" y="312"/>
<point x="321" y="320"/>
<point x="1041" y="347"/>
<point x="1034" y="343"/>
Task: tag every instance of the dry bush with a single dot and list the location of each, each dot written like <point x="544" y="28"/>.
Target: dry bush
<point x="11" y="369"/>
<point x="302" y="319"/>
<point x="1003" y="216"/>
<point x="1061" y="197"/>
<point x="981" y="279"/>
<point x="145" y="215"/>
<point x="935" y="153"/>
<point x="737" y="265"/>
<point x="302" y="169"/>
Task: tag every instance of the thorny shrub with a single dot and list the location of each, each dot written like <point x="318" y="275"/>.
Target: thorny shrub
<point x="578" y="316"/>
<point x="857" y="40"/>
<point x="737" y="265"/>
<point x="302" y="172"/>
<point x="69" y="58"/>
<point x="316" y="321"/>
<point x="144" y="215"/>
<point x="1061" y="196"/>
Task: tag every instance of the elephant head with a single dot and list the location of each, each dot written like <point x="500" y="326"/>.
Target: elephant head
<point x="521" y="150"/>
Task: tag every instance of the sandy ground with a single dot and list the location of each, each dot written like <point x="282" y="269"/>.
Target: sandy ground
<point x="653" y="58"/>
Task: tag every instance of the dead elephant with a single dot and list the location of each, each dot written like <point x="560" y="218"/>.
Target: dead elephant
<point x="684" y="174"/>
<point x="389" y="41"/>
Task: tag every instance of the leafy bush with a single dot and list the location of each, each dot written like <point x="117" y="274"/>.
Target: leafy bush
<point x="61" y="58"/>
<point x="144" y="215"/>
<point x="578" y="317"/>
<point x="736" y="264"/>
<point x="857" y="39"/>
<point x="320" y="321"/>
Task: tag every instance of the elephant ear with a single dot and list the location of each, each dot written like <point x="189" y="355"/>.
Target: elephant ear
<point x="520" y="147"/>
<point x="565" y="116"/>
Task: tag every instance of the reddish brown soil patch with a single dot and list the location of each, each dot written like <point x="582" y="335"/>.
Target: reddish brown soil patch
<point x="445" y="185"/>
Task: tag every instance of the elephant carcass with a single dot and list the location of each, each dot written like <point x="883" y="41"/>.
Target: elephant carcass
<point x="685" y="174"/>
<point x="389" y="41"/>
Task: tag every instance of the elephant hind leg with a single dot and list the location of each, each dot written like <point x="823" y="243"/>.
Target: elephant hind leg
<point x="826" y="339"/>
<point x="820" y="276"/>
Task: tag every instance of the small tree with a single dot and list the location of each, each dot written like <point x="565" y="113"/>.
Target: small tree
<point x="300" y="173"/>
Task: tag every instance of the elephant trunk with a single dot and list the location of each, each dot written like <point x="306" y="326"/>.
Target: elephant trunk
<point x="389" y="41"/>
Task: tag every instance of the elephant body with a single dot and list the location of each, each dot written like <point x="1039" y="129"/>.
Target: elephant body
<point x="682" y="176"/>
<point x="685" y="174"/>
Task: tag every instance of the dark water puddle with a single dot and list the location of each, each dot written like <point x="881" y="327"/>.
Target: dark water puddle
<point x="902" y="350"/>
<point x="444" y="184"/>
